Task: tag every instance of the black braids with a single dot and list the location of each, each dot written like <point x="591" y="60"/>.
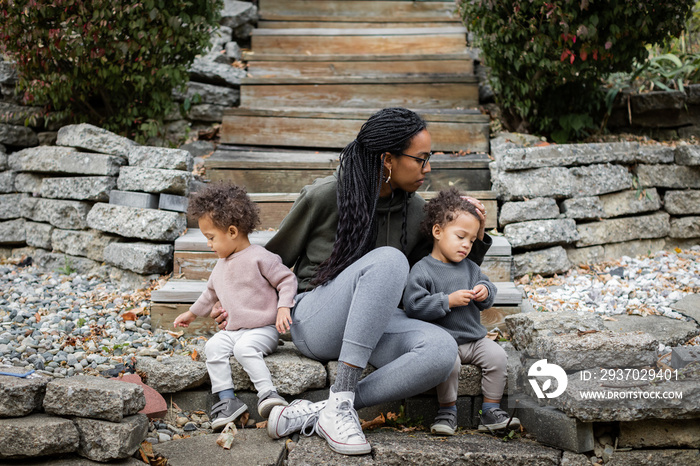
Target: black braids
<point x="359" y="184"/>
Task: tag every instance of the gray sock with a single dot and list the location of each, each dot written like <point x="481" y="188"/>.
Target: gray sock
<point x="347" y="378"/>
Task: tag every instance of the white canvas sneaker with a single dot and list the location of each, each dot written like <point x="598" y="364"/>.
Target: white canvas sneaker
<point x="300" y="415"/>
<point x="339" y="424"/>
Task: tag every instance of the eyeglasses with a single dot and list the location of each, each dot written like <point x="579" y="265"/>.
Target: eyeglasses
<point x="422" y="160"/>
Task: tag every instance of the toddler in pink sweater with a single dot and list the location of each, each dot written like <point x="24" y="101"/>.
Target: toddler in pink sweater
<point x="253" y="286"/>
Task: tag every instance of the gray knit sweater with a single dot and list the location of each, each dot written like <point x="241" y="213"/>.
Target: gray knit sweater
<point x="426" y="296"/>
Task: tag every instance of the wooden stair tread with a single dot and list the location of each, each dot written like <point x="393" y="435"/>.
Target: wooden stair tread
<point x="354" y="23"/>
<point x="466" y="115"/>
<point x="446" y="30"/>
<point x="362" y="80"/>
<point x="314" y="10"/>
<point x="187" y="291"/>
<point x="267" y="56"/>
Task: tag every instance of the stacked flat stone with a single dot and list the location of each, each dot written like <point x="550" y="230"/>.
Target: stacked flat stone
<point x="97" y="418"/>
<point x="564" y="205"/>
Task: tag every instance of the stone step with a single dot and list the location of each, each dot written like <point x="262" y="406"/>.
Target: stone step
<point x="451" y="130"/>
<point x="311" y="41"/>
<point x="263" y="170"/>
<point x="423" y="92"/>
<point x="357" y="10"/>
<point x="264" y="64"/>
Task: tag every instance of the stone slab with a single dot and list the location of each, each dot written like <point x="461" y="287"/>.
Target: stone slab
<point x="669" y="176"/>
<point x="13" y="231"/>
<point x="54" y="159"/>
<point x="630" y="202"/>
<point x="10" y="206"/>
<point x="85" y="243"/>
<point x="38" y="235"/>
<point x="209" y="94"/>
<point x="548" y="261"/>
<point x="539" y="233"/>
<point x="161" y="157"/>
<point x="689" y="306"/>
<point x="589" y="255"/>
<point x="90" y="137"/>
<point x="669" y="332"/>
<point x="526" y="328"/>
<point x="156" y="407"/>
<point x="688" y="154"/>
<point x="143" y="258"/>
<point x="555" y="182"/>
<point x="685" y="202"/>
<point x="7" y="181"/>
<point x="594" y="180"/>
<point x="28" y="183"/>
<point x="535" y="209"/>
<point x="553" y="427"/>
<point x="206" y="71"/>
<point x="583" y="208"/>
<point x="172" y="374"/>
<point x="154" y="180"/>
<point x="15" y="135"/>
<point x="656" y="225"/>
<point x="93" y="397"/>
<point x="173" y="202"/>
<point x="69" y="215"/>
<point x="21" y="396"/>
<point x="658" y="433"/>
<point x="84" y="188"/>
<point x="134" y="199"/>
<point x="681" y="356"/>
<point x="133" y="222"/>
<point x="685" y="227"/>
<point x="654" y="457"/>
<point x="37" y="435"/>
<point x="107" y="441"/>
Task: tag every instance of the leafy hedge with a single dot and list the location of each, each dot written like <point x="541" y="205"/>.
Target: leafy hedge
<point x="548" y="58"/>
<point x="112" y="63"/>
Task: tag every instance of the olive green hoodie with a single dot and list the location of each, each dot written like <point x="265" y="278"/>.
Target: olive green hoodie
<point x="307" y="234"/>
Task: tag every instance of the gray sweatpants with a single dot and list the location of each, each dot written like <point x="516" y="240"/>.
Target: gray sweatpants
<point x="355" y="319"/>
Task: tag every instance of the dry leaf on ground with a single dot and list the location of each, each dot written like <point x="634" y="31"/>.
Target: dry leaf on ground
<point x="225" y="439"/>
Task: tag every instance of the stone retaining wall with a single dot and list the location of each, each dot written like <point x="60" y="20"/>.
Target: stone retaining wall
<point x="563" y="205"/>
<point x="96" y="203"/>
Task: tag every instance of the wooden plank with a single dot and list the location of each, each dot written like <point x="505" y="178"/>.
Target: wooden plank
<point x="395" y="79"/>
<point x="250" y="55"/>
<point x="354" y="23"/>
<point x="497" y="268"/>
<point x="362" y="32"/>
<point x="362" y="95"/>
<point x="164" y="314"/>
<point x="507" y="294"/>
<point x="262" y="69"/>
<point x="447" y="115"/>
<point x="359" y="44"/>
<point x="314" y="10"/>
<point x="495" y="316"/>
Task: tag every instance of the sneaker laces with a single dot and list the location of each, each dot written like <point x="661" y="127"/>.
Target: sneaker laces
<point x="301" y="417"/>
<point x="348" y="421"/>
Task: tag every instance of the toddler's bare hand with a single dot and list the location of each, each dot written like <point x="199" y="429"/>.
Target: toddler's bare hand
<point x="460" y="298"/>
<point x="284" y="320"/>
<point x="480" y="293"/>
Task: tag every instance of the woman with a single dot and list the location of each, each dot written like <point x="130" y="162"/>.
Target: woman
<point x="350" y="238"/>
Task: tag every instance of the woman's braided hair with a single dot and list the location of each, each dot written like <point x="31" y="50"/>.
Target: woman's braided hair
<point x="359" y="182"/>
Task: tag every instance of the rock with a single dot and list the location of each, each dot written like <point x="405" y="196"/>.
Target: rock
<point x="573" y="352"/>
<point x="632" y="248"/>
<point x="526" y="329"/>
<point x="237" y="13"/>
<point x="688" y="154"/>
<point x="172" y="374"/>
<point x="3" y="159"/>
<point x="630" y="202"/>
<point x="291" y="372"/>
<point x="132" y="222"/>
<point x="677" y="202"/>
<point x="70" y="215"/>
<point x="161" y="157"/>
<point x="52" y="159"/>
<point x="134" y="199"/>
<point x="216" y="73"/>
<point x="574" y="459"/>
<point x="89" y="137"/>
<point x="20" y="396"/>
<point x="142" y="258"/>
<point x="669" y="176"/>
<point x="10" y="206"/>
<point x="541" y="233"/>
<point x="545" y="262"/>
<point x="654" y="457"/>
<point x="593" y="180"/>
<point x="173" y="202"/>
<point x="38" y="235"/>
<point x="13" y="231"/>
<point x="556" y="155"/>
<point x="154" y="180"/>
<point x="107" y="441"/>
<point x="7" y="181"/>
<point x="47" y="138"/>
<point x="56" y="261"/>
<point x="669" y="332"/>
<point x="37" y="435"/>
<point x="655" y="154"/>
<point x="685" y="227"/>
<point x="556" y="182"/>
<point x="534" y="209"/>
<point x="89" y="243"/>
<point x="93" y="397"/>
<point x="656" y="225"/>
<point x="28" y="183"/>
<point x="8" y="73"/>
<point x="583" y="208"/>
<point x="84" y="188"/>
<point x="234" y="53"/>
<point x="206" y="112"/>
<point x="660" y="433"/>
<point x="15" y="135"/>
<point x="199" y="148"/>
<point x="655" y="101"/>
<point x="689" y="306"/>
<point x="504" y="141"/>
<point x="590" y="255"/>
<point x="681" y="356"/>
<point x="220" y="36"/>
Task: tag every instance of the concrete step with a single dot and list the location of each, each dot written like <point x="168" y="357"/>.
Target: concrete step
<point x="266" y="65"/>
<point x="451" y="130"/>
<point x="424" y="92"/>
<point x="357" y="10"/>
<point x="263" y="170"/>
<point x="364" y="41"/>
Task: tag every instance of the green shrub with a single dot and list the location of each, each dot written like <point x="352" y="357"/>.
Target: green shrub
<point x="548" y="58"/>
<point x="111" y="63"/>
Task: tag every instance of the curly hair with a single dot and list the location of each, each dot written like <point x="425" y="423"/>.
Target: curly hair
<point x="388" y="130"/>
<point x="226" y="204"/>
<point x="444" y="208"/>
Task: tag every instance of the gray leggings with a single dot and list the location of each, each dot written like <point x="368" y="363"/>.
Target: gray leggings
<point x="355" y="319"/>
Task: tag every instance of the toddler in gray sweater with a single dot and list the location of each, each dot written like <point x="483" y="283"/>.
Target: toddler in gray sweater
<point x="450" y="291"/>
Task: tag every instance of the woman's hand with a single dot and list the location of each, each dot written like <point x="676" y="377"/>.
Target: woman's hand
<point x="284" y="319"/>
<point x="219" y="315"/>
<point x="481" y="210"/>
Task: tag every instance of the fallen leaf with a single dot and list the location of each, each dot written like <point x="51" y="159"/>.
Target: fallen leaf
<point x="225" y="439"/>
<point x="261" y="425"/>
<point x="376" y="422"/>
<point x="128" y="315"/>
<point x="391" y="416"/>
<point x="176" y="334"/>
<point x="37" y="316"/>
<point x="194" y="355"/>
<point x="243" y="420"/>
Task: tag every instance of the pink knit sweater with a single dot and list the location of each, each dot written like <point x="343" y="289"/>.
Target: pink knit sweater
<point x="248" y="284"/>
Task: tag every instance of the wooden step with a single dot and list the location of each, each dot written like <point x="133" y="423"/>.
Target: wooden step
<point x="370" y="11"/>
<point x="451" y="130"/>
<point x="263" y="170"/>
<point x="350" y="22"/>
<point x="266" y="65"/>
<point x="367" y="41"/>
<point x="425" y="92"/>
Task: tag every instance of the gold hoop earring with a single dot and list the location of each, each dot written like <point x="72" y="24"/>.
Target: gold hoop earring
<point x="388" y="178"/>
